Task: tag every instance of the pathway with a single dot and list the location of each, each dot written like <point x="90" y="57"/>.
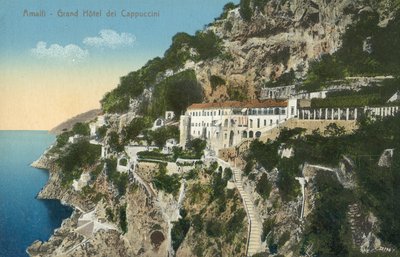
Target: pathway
<point x="255" y="229"/>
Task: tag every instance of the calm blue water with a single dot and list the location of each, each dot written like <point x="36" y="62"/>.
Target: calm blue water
<point x="23" y="219"/>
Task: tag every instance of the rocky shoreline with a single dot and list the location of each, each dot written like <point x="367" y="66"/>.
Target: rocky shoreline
<point x="74" y="239"/>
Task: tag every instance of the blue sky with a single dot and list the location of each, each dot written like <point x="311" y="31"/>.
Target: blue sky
<point x="68" y="63"/>
<point x="152" y="34"/>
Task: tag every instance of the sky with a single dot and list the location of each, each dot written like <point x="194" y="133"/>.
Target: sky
<point x="56" y="65"/>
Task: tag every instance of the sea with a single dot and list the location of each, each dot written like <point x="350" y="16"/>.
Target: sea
<point x="23" y="218"/>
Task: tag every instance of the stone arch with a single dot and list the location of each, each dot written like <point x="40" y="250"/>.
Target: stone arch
<point x="244" y="134"/>
<point x="251" y="134"/>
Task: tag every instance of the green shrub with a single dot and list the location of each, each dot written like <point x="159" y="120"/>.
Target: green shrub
<point x="214" y="228"/>
<point x="216" y="81"/>
<point x="109" y="214"/>
<point x="135" y="127"/>
<point x="102" y="131"/>
<point x="62" y="139"/>
<point x="227" y="174"/>
<point x="264" y="153"/>
<point x="235" y="224"/>
<point x="179" y="230"/>
<point x="197" y="223"/>
<point x="245" y="10"/>
<point x="81" y="129"/>
<point x="77" y="157"/>
<point x="327" y="221"/>
<point x="169" y="184"/>
<point x="264" y="187"/>
<point x="122" y="219"/>
<point x="153" y="155"/>
<point x="227" y="7"/>
<point x="114" y="142"/>
<point x="268" y="226"/>
<point x="284" y="238"/>
<point x="197" y="146"/>
<point x="287" y="78"/>
<point x="161" y="135"/>
<point x="346" y="101"/>
<point x="287" y="184"/>
<point x="120" y="180"/>
<point x="218" y="185"/>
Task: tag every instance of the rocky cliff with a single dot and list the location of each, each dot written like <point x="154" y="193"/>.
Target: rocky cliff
<point x="153" y="211"/>
<point x="280" y="36"/>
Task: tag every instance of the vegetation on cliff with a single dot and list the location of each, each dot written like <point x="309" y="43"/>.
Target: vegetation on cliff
<point x="214" y="221"/>
<point x="376" y="184"/>
<point x="202" y="46"/>
<point x="367" y="96"/>
<point x="367" y="50"/>
<point x="77" y="157"/>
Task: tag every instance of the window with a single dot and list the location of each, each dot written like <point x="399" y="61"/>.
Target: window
<point x="292" y="110"/>
<point x="226" y="136"/>
<point x="258" y="123"/>
<point x="265" y="123"/>
<point x="270" y="122"/>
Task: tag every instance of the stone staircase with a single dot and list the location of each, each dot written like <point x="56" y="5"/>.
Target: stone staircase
<point x="255" y="228"/>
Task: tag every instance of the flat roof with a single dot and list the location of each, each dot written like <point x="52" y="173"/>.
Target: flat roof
<point x="237" y="104"/>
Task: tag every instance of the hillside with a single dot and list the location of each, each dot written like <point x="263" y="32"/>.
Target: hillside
<point x="275" y="44"/>
<point x="317" y="189"/>
<point x="68" y="124"/>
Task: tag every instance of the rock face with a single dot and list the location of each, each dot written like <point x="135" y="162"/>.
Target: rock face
<point x="147" y="231"/>
<point x="281" y="36"/>
<point x="284" y="35"/>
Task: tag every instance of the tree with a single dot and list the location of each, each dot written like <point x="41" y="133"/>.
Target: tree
<point x="160" y="136"/>
<point x="81" y="129"/>
<point x="264" y="187"/>
<point x="245" y="10"/>
<point x="197" y="145"/>
<point x="114" y="143"/>
<point x="133" y="129"/>
<point x="334" y="130"/>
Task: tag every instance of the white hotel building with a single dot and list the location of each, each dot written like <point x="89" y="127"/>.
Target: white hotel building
<point x="226" y="124"/>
